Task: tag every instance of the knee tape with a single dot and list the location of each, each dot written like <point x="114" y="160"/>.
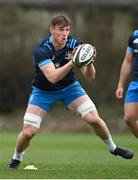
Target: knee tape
<point x="32" y="119"/>
<point x="86" y="107"/>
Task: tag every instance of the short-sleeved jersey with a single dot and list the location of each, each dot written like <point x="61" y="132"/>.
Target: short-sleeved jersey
<point x="45" y="53"/>
<point x="133" y="47"/>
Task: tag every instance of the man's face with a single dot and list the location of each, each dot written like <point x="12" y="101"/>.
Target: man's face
<point x="60" y="34"/>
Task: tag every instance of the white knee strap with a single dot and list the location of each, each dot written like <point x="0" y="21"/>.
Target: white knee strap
<point x="32" y="119"/>
<point x="86" y="107"/>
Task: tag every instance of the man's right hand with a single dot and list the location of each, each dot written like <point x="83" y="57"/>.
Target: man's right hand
<point x="119" y="93"/>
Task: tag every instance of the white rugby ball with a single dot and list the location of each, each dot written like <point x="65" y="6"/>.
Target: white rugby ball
<point x="83" y="55"/>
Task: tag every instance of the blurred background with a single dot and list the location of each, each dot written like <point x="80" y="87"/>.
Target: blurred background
<point x="106" y="24"/>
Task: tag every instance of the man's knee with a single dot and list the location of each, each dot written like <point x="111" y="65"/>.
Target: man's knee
<point x="28" y="134"/>
<point x="92" y="118"/>
<point x="129" y="119"/>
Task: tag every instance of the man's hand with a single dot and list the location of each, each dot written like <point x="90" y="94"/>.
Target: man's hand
<point x="94" y="54"/>
<point x="119" y="93"/>
<point x="88" y="72"/>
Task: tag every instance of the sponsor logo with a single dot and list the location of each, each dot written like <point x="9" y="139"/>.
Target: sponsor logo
<point x="68" y="55"/>
<point x="53" y="58"/>
<point x="57" y="65"/>
<point x="135" y="50"/>
<point x="87" y="51"/>
<point x="135" y="41"/>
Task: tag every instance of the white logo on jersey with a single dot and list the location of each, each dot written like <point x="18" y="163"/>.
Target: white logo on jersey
<point x="68" y="55"/>
<point x="53" y="58"/>
<point x="135" y="50"/>
<point x="135" y="41"/>
<point x="57" y="65"/>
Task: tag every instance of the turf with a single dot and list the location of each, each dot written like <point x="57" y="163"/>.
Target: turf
<point x="69" y="156"/>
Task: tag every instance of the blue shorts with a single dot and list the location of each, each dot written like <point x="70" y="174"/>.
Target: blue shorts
<point x="45" y="99"/>
<point x="132" y="93"/>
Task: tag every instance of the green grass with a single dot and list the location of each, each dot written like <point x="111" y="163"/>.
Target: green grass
<point x="69" y="156"/>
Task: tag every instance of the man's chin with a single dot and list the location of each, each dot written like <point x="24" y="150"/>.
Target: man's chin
<point x="63" y="43"/>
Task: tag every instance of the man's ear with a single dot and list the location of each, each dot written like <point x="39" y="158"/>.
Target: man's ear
<point x="51" y="29"/>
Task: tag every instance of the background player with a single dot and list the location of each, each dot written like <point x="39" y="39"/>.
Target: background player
<point x="129" y="66"/>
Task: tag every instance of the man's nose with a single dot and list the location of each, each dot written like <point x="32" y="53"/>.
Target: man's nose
<point x="65" y="32"/>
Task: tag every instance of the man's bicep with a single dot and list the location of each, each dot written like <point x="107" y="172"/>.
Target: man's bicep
<point x="44" y="62"/>
<point x="42" y="56"/>
<point x="47" y="69"/>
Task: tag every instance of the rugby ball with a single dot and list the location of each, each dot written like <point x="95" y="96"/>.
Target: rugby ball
<point x="83" y="55"/>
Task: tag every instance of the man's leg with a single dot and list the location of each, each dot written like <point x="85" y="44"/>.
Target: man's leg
<point x="131" y="117"/>
<point x="102" y="131"/>
<point x="32" y="121"/>
<point x="87" y="110"/>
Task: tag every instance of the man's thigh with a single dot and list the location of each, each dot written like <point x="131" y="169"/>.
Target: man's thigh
<point x="131" y="110"/>
<point x="36" y="110"/>
<point x="77" y="102"/>
<point x="42" y="100"/>
<point x="82" y="106"/>
<point x="71" y="93"/>
<point x="132" y="93"/>
<point x="33" y="117"/>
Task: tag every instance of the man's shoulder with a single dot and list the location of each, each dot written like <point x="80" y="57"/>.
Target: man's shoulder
<point x="134" y="34"/>
<point x="71" y="38"/>
<point x="73" y="42"/>
<point x="43" y="44"/>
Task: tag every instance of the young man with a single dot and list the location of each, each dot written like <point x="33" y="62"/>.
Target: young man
<point x="55" y="81"/>
<point x="129" y="65"/>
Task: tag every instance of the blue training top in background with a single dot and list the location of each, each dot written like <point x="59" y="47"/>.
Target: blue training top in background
<point x="133" y="47"/>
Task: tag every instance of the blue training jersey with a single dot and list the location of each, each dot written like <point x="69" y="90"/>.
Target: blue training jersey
<point x="44" y="52"/>
<point x="133" y="47"/>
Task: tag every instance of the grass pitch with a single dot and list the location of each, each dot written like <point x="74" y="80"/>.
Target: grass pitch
<point x="69" y="156"/>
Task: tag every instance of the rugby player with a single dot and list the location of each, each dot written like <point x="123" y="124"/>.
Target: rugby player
<point x="129" y="69"/>
<point x="55" y="81"/>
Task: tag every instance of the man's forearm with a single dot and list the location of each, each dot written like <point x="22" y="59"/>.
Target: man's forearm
<point x="89" y="72"/>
